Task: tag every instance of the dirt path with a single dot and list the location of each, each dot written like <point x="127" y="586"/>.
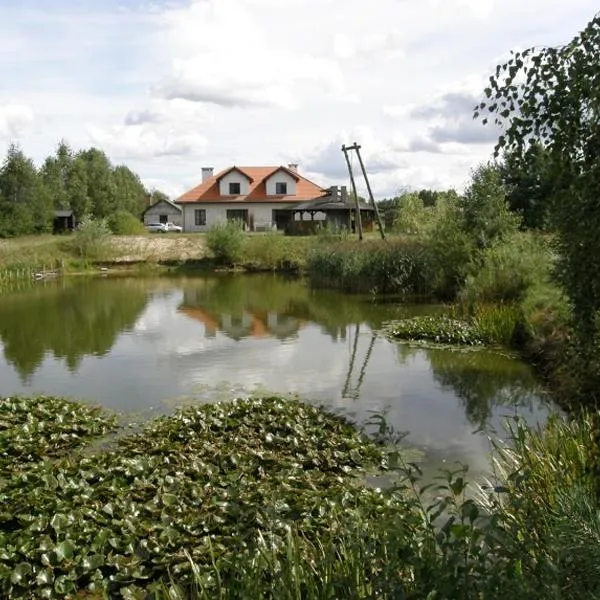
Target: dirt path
<point x="158" y="247"/>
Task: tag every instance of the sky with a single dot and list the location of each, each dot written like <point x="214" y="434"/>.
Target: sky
<point x="170" y="87"/>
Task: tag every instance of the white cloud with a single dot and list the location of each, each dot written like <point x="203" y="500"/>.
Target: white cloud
<point x="14" y="118"/>
<point x="169" y="87"/>
<point x="223" y="57"/>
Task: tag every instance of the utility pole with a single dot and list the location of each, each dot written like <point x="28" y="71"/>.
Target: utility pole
<point x="358" y="217"/>
<point x="357" y="148"/>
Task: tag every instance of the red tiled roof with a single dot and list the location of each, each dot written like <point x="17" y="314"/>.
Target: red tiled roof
<point x="208" y="191"/>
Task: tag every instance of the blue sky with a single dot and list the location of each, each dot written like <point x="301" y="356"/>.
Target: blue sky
<point x="170" y="87"/>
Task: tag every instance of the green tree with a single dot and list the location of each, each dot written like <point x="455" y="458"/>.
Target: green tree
<point x="485" y="214"/>
<point x="101" y="188"/>
<point x="55" y="173"/>
<point x="26" y="205"/>
<point x="131" y="195"/>
<point x="76" y="186"/>
<point x="528" y="184"/>
<point x="411" y="217"/>
<point x="551" y="96"/>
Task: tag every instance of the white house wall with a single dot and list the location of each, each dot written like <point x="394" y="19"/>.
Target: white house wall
<point x="280" y="177"/>
<point x="234" y="177"/>
<point x="261" y="214"/>
<point x="152" y="215"/>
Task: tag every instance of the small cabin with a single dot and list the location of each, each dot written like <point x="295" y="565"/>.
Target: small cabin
<point x="163" y="211"/>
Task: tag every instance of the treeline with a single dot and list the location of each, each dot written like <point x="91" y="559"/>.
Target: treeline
<point x="85" y="182"/>
<point x="523" y="179"/>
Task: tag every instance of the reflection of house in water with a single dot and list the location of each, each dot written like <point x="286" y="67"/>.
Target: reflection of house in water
<point x="258" y="324"/>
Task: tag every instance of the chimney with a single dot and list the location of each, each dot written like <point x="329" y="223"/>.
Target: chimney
<point x="207" y="173"/>
<point x="149" y="198"/>
<point x="334" y="191"/>
<point x="293" y="167"/>
<point x="344" y="197"/>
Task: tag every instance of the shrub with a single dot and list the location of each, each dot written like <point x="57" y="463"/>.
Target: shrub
<point x="91" y="238"/>
<point x="124" y="223"/>
<point x="226" y="242"/>
<point x="266" y="251"/>
<point x="450" y="249"/>
<point x="507" y="269"/>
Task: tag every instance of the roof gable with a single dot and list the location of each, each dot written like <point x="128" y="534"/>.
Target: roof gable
<point x="208" y="191"/>
<point x="231" y="170"/>
<point x="161" y="201"/>
<point x="285" y="170"/>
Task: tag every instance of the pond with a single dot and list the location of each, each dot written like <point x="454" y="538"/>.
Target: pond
<point x="141" y="345"/>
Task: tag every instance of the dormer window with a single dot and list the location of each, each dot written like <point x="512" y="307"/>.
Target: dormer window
<point x="235" y="189"/>
<point x="281" y="188"/>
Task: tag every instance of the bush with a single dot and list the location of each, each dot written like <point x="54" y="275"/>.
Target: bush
<point x="266" y="251"/>
<point x="226" y="242"/>
<point x="124" y="223"/>
<point x="508" y="269"/>
<point x="450" y="249"/>
<point x="91" y="238"/>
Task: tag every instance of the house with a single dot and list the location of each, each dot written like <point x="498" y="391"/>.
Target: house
<point x="259" y="197"/>
<point x="335" y="210"/>
<point x="163" y="211"/>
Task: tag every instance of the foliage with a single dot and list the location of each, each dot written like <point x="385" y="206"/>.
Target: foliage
<point x="412" y="217"/>
<point x="500" y="324"/>
<point x="508" y="269"/>
<point x="450" y="248"/>
<point x="550" y="96"/>
<point x="262" y="498"/>
<point x="216" y="480"/>
<point x="91" y="238"/>
<point x="374" y="267"/>
<point x="548" y="505"/>
<point x="484" y="213"/>
<point x="85" y="182"/>
<point x="40" y="428"/>
<point x="440" y="330"/>
<point x="528" y="184"/>
<point x="268" y="252"/>
<point x="25" y="205"/>
<point x="123" y="222"/>
<point x="226" y="242"/>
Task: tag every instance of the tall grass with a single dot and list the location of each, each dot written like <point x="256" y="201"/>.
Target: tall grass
<point x="398" y="267"/>
<point x="533" y="533"/>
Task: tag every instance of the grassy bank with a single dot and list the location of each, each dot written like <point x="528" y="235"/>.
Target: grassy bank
<point x="265" y="498"/>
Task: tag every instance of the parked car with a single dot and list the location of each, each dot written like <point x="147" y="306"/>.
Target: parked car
<point x="174" y="228"/>
<point x="157" y="227"/>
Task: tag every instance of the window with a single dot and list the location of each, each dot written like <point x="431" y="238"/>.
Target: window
<point x="163" y="218"/>
<point x="200" y="216"/>
<point x="281" y="188"/>
<point x="235" y="189"/>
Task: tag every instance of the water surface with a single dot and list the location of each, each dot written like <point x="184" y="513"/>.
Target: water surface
<point x="140" y="344"/>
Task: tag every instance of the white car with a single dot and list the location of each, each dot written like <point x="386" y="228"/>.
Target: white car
<point x="173" y="227"/>
<point x="157" y="227"/>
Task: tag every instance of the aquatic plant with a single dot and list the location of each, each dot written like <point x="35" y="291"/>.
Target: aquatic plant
<point x="264" y="498"/>
<point x="436" y="329"/>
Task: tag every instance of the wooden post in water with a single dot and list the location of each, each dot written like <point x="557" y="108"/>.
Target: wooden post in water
<point x="358" y="217"/>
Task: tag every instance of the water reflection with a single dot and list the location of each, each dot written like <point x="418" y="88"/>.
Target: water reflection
<point x="483" y="380"/>
<point x="67" y="320"/>
<point x="131" y="344"/>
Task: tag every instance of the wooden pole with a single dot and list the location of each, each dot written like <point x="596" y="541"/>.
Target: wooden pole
<point x="358" y="217"/>
<point x="371" y="198"/>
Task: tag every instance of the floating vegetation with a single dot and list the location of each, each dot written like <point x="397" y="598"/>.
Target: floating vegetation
<point x="33" y="430"/>
<point x="265" y="498"/>
<point x="436" y="329"/>
<point x="211" y="481"/>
